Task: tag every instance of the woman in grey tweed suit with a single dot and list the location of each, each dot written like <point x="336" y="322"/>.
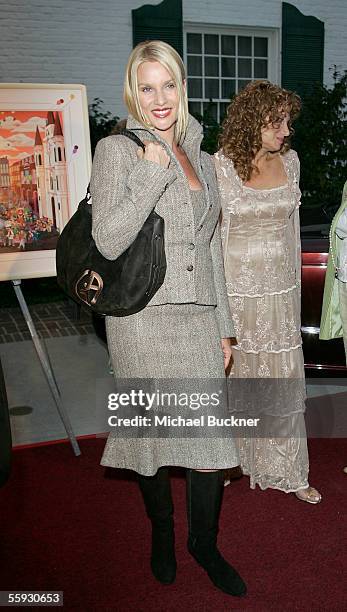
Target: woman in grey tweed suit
<point x="185" y="330"/>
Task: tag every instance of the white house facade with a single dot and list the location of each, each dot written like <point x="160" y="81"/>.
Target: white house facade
<point x="224" y="43"/>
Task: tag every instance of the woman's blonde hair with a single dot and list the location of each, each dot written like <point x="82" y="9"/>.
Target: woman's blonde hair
<point x="156" y="51"/>
<point x="258" y="105"/>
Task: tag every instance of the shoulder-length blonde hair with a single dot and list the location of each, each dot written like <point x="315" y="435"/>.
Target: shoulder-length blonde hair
<point x="258" y="105"/>
<point x="156" y="51"/>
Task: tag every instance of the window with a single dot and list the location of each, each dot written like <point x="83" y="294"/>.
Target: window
<point x="59" y="154"/>
<point x="220" y="62"/>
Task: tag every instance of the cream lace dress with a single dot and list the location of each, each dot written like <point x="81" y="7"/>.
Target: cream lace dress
<point x="262" y="257"/>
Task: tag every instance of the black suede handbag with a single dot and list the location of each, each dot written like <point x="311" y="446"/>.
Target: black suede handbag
<point x="120" y="287"/>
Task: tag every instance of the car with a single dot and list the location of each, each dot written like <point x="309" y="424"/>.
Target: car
<point x="322" y="357"/>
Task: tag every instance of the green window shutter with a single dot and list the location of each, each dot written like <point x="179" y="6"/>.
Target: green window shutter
<point x="160" y="22"/>
<point x="302" y="49"/>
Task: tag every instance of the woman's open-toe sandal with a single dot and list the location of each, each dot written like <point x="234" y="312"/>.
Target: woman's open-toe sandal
<point x="309" y="495"/>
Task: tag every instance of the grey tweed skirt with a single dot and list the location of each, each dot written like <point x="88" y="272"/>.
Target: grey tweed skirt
<point x="167" y="342"/>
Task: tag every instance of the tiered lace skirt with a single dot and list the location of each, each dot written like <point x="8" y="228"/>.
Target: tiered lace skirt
<point x="269" y="347"/>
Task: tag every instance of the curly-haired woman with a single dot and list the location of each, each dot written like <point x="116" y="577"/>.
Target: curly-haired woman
<point x="258" y="176"/>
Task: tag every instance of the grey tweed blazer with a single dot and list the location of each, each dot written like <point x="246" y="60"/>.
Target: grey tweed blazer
<point x="125" y="189"/>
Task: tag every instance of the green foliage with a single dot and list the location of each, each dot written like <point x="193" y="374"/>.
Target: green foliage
<point x="101" y="123"/>
<point x="211" y="130"/>
<point x="321" y="142"/>
<point x="35" y="291"/>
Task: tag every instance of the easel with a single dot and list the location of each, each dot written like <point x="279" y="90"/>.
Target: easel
<point x="46" y="366"/>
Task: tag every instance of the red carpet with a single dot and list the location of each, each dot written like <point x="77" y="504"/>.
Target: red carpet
<point x="67" y="524"/>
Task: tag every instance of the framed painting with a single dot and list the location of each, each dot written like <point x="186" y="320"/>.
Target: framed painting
<point x="45" y="163"/>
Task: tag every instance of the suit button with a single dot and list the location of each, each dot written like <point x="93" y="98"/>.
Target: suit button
<point x="190" y="268"/>
<point x="191" y="246"/>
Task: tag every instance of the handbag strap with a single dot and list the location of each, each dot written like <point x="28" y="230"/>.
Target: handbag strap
<point x="132" y="137"/>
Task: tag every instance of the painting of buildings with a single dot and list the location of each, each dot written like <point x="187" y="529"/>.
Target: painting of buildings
<point x="34" y="200"/>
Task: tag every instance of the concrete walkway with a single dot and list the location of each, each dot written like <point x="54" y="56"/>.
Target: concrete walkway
<point x="80" y="365"/>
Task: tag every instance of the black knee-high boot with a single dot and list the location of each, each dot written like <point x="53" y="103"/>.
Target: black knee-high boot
<point x="204" y="497"/>
<point x="156" y="492"/>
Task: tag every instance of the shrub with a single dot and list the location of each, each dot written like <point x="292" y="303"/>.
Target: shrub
<point x="101" y="123"/>
<point x="321" y="142"/>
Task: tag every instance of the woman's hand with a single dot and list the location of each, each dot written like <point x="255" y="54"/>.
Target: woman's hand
<point x="226" y="348"/>
<point x="154" y="152"/>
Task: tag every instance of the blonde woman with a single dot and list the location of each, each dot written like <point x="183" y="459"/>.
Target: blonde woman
<point x="258" y="175"/>
<point x="185" y="330"/>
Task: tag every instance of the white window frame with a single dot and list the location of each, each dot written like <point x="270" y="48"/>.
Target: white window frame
<point x="272" y="34"/>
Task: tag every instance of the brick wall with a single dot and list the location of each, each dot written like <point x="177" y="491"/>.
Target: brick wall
<point x="68" y="41"/>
